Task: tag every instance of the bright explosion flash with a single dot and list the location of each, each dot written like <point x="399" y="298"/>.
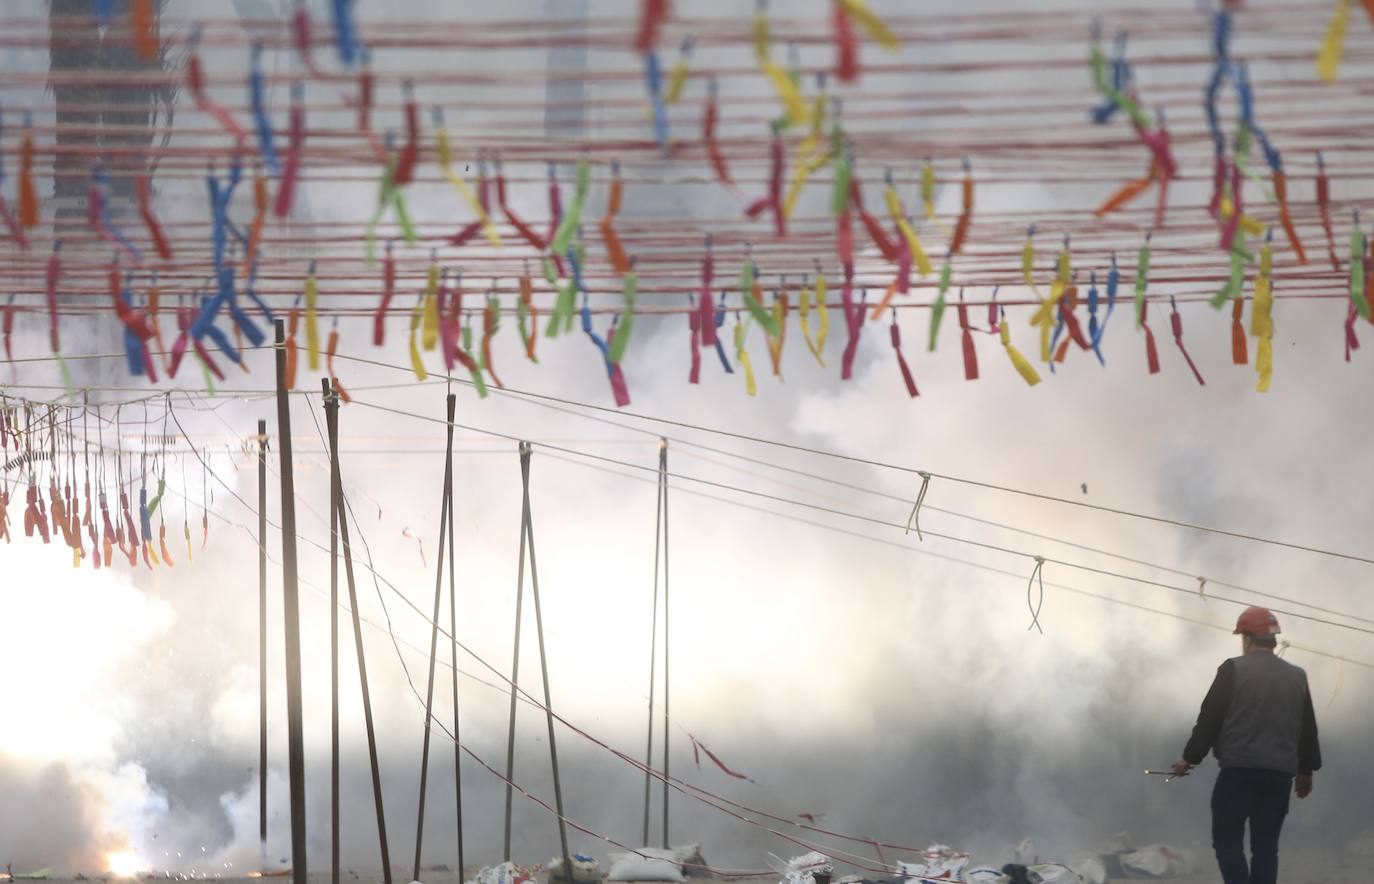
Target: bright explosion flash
<point x="124" y="864"/>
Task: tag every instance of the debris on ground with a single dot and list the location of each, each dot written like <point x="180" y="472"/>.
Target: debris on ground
<point x="671" y="864"/>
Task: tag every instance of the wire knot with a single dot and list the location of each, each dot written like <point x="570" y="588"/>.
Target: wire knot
<point x="914" y="520"/>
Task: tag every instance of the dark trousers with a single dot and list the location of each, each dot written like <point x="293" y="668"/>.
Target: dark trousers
<point x="1261" y="798"/>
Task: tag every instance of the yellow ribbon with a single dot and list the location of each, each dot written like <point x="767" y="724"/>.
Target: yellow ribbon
<point x="416" y="363"/>
<point x="312" y="327"/>
<point x="429" y="338"/>
<point x="792" y="104"/>
<point x="445" y="152"/>
<point x="804" y="309"/>
<point x="1262" y="320"/>
<point x="1333" y="45"/>
<point x="913" y="242"/>
<point x="1023" y="367"/>
<point x="742" y="356"/>
<point x="870" y="22"/>
<point x="1248" y="224"/>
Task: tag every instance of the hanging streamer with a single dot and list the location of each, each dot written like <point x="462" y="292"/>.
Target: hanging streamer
<point x="896" y="334"/>
<point x="444" y="150"/>
<point x="1176" y="324"/>
<point x="286" y="189"/>
<point x="742" y="356"/>
<point x="621" y="339"/>
<point x="1018" y="361"/>
<point x="1333" y="44"/>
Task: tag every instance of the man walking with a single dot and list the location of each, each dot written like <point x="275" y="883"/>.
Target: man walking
<point x="1258" y="721"/>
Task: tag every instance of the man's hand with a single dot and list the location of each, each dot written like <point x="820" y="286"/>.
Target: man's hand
<point x="1302" y="786"/>
<point x="1181" y="768"/>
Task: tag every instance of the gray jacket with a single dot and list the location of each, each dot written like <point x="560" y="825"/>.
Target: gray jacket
<point x="1258" y="714"/>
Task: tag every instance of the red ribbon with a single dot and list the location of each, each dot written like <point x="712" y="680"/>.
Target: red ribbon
<point x="694" y="324"/>
<point x="966" y="336"/>
<point x="410" y="154"/>
<point x="286" y="191"/>
<point x="1176" y="324"/>
<point x="145" y="209"/>
<point x="652" y="16"/>
<point x="697" y="744"/>
<point x="1151" y="351"/>
<point x="1239" y="354"/>
<point x="707" y="320"/>
<point x="388" y="292"/>
<point x="846" y="46"/>
<point x="901" y="360"/>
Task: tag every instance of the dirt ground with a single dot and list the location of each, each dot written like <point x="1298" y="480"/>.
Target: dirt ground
<point x="1297" y="866"/>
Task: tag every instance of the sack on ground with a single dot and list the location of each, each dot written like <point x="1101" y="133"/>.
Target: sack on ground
<point x="938" y="862"/>
<point x="652" y="864"/>
<point x="585" y="870"/>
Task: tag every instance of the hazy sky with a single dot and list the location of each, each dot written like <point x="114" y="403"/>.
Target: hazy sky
<point x="898" y="693"/>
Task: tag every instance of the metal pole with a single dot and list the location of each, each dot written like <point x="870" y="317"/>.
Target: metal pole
<point x="292" y="620"/>
<point x="434" y="633"/>
<point x="653" y="659"/>
<point x="342" y="515"/>
<point x="514" y="684"/>
<point x="457" y="736"/>
<point x="544" y="665"/>
<point x="262" y="635"/>
<point x="663" y="484"/>
<point x="331" y="419"/>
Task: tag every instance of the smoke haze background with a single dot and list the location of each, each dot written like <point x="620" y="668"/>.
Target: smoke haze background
<point x="899" y="694"/>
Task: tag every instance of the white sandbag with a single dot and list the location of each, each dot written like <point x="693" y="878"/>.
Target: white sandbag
<point x="801" y="869"/>
<point x="1092" y="870"/>
<point x="585" y="870"/>
<point x="1054" y="873"/>
<point x="1156" y="861"/>
<point x="655" y="864"/>
<point x="938" y="862"/>
<point x="505" y="873"/>
<point x="691" y="861"/>
<point x="984" y="875"/>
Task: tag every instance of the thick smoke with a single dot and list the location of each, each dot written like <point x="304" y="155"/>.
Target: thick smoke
<point x="898" y="694"/>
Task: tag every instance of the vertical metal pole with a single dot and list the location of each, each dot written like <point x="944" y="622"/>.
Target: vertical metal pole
<point x="544" y="664"/>
<point x="262" y="635"/>
<point x="331" y="419"/>
<point x="514" y="684"/>
<point x="292" y="620"/>
<point x="434" y="634"/>
<point x="653" y="660"/>
<point x="342" y="515"/>
<point x="457" y="734"/>
<point x="663" y="484"/>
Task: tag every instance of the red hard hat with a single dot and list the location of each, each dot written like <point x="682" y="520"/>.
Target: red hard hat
<point x="1257" y="621"/>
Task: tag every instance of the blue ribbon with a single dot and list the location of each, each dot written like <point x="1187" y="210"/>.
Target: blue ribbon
<point x="1113" y="280"/>
<point x="102" y="180"/>
<point x="144" y="516"/>
<point x="653" y="76"/>
<point x="257" y="90"/>
<point x="345" y="32"/>
<point x="720" y="323"/>
<point x="1094" y="333"/>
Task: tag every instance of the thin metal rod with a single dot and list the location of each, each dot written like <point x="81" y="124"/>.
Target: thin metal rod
<point x="544" y="665"/>
<point x="434" y="635"/>
<point x="262" y="634"/>
<point x="342" y="514"/>
<point x="514" y="685"/>
<point x="653" y="660"/>
<point x="292" y="621"/>
<point x="667" y="694"/>
<point x="331" y="418"/>
<point x="457" y="733"/>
